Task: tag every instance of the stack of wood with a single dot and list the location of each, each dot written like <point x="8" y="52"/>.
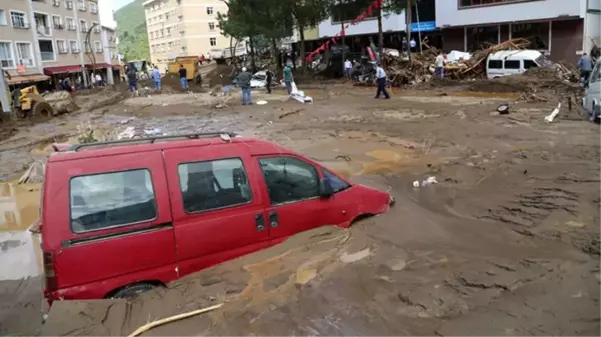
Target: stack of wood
<point x="421" y="67"/>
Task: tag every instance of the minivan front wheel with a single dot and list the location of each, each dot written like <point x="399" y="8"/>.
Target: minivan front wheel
<point x="132" y="291"/>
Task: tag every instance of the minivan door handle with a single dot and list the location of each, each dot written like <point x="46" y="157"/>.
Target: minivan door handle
<point x="273" y="219"/>
<point x="260" y="222"/>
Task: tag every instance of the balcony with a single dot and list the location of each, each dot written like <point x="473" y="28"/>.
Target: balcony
<point x="44" y="31"/>
<point x="47" y="56"/>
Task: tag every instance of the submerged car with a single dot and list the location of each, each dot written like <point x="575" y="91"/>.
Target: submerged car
<point x="119" y="218"/>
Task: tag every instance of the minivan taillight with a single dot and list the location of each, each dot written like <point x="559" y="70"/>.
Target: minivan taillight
<point x="49" y="272"/>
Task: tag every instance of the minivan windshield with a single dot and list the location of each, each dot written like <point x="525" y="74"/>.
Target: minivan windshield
<point x="542" y="61"/>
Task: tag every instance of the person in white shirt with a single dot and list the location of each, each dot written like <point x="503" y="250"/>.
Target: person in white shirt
<point x="439" y="70"/>
<point x="98" y="79"/>
<point x="381" y="81"/>
<point x="347" y="68"/>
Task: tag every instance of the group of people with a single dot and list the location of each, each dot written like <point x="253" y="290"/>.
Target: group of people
<point x="244" y="77"/>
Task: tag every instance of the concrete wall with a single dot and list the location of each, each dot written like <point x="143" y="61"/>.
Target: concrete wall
<point x="592" y="31"/>
<point x="566" y="40"/>
<point x="448" y="13"/>
<point x="394" y="22"/>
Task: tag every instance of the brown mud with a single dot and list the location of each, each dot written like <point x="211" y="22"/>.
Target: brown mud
<point x="507" y="243"/>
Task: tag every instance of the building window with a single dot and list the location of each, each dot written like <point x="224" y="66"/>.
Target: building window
<point x="3" y="21"/>
<point x="70" y="23"/>
<point x="56" y="3"/>
<point x="6" y="55"/>
<point x="93" y="7"/>
<point x="18" y="19"/>
<point x="57" y="22"/>
<point x="209" y="10"/>
<point x="83" y="25"/>
<point x="476" y="3"/>
<point x="74" y="45"/>
<point x="482" y="37"/>
<point x="46" y="50"/>
<point x="24" y="54"/>
<point x="347" y="11"/>
<point x="98" y="46"/>
<point x="69" y="4"/>
<point x="81" y="5"/>
<point x="213" y="41"/>
<point x="87" y="47"/>
<point x="111" y="200"/>
<point x="168" y="31"/>
<point x="213" y="185"/>
<point x="61" y="45"/>
<point x="536" y="32"/>
<point x="211" y="26"/>
<point x="96" y="26"/>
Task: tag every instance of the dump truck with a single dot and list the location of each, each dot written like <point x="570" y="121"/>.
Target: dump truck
<point x="189" y="62"/>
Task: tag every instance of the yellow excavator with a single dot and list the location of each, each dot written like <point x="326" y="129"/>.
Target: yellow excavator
<point x="33" y="104"/>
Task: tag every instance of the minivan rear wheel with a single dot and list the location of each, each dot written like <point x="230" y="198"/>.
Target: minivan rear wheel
<point x="133" y="290"/>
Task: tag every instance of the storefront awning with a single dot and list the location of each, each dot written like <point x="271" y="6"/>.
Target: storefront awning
<point x="98" y="66"/>
<point x="18" y="79"/>
<point x="62" y="69"/>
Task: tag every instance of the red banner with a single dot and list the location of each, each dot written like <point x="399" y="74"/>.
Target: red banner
<point x="369" y="11"/>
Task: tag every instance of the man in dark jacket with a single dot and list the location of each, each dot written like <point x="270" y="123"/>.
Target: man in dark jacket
<point x="132" y="78"/>
<point x="244" y="83"/>
<point x="268" y="81"/>
<point x="183" y="77"/>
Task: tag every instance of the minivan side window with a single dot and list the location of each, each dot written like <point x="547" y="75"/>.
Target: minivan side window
<point x="530" y="64"/>
<point x="289" y="179"/>
<point x="338" y="184"/>
<point x="512" y="64"/>
<point x="495" y="64"/>
<point x="213" y="184"/>
<point x="108" y="200"/>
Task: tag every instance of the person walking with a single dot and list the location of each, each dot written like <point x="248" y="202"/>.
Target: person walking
<point x="347" y="68"/>
<point x="198" y="77"/>
<point x="132" y="78"/>
<point x="268" y="81"/>
<point x="288" y="78"/>
<point x="183" y="77"/>
<point x="244" y="82"/>
<point x="99" y="79"/>
<point x="439" y="70"/>
<point x="156" y="77"/>
<point x="381" y="81"/>
<point x="586" y="67"/>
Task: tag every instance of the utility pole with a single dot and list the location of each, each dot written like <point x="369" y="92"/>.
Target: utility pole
<point x="4" y="101"/>
<point x="84" y="72"/>
<point x="409" y="6"/>
<point x="419" y="31"/>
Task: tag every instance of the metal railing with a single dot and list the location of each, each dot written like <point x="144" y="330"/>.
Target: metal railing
<point x="47" y="56"/>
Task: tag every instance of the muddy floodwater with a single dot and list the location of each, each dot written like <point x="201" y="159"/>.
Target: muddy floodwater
<point x="505" y="243"/>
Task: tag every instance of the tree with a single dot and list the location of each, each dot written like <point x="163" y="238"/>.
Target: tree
<point x="388" y="7"/>
<point x="305" y="13"/>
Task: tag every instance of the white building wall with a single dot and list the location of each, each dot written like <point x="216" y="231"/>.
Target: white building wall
<point x="592" y="29"/>
<point x="394" y="22"/>
<point x="448" y="13"/>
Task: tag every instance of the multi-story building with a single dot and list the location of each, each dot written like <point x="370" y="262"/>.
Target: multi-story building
<point x="563" y="29"/>
<point x="43" y="39"/>
<point x="183" y="28"/>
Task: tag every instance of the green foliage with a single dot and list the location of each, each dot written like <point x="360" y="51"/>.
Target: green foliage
<point x="131" y="28"/>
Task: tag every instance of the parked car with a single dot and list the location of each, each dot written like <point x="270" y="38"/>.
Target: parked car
<point x="511" y="62"/>
<point x="121" y="217"/>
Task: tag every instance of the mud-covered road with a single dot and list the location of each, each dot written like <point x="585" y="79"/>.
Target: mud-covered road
<point x="507" y="243"/>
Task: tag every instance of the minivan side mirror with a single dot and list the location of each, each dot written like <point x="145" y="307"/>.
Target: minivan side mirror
<point x="325" y="188"/>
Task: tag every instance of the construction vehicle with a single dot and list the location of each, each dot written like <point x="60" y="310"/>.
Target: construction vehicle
<point x="189" y="62"/>
<point x="33" y="104"/>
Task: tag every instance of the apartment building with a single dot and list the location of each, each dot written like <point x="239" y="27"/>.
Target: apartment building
<point x="562" y="29"/>
<point x="44" y="39"/>
<point x="183" y="28"/>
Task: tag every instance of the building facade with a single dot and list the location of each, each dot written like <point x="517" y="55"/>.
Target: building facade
<point x="183" y="28"/>
<point x="559" y="28"/>
<point x="43" y="39"/>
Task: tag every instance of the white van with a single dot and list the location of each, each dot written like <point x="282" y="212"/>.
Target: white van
<point x="591" y="102"/>
<point x="511" y="62"/>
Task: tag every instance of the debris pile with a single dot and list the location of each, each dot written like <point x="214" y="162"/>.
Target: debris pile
<point x="561" y="71"/>
<point x="460" y="66"/>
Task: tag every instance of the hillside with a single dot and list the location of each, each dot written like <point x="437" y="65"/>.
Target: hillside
<point x="133" y="39"/>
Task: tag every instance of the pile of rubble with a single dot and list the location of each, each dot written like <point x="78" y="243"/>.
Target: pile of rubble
<point x="459" y="65"/>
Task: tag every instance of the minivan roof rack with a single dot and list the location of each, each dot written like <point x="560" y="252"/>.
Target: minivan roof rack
<point x="151" y="140"/>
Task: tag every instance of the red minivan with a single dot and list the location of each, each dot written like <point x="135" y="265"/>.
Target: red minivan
<point x="119" y="218"/>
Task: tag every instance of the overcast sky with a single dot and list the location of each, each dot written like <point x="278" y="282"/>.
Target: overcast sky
<point x="106" y="10"/>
